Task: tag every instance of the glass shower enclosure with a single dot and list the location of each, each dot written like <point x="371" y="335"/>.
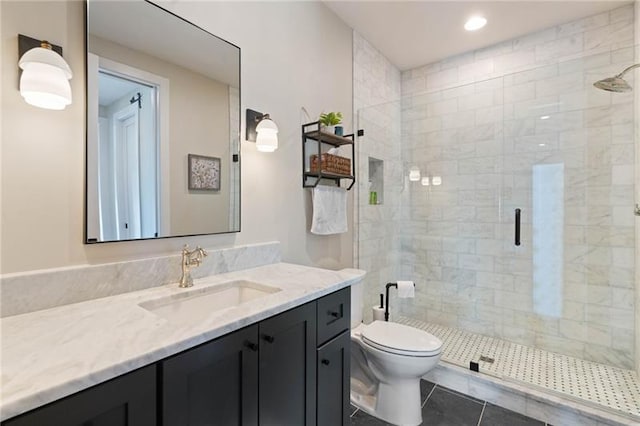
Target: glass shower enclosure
<point x="510" y="203"/>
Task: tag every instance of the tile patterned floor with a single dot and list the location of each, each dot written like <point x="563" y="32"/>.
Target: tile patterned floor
<point x="445" y="407"/>
<point x="601" y="386"/>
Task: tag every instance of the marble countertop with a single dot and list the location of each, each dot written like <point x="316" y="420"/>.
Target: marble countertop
<point x="49" y="354"/>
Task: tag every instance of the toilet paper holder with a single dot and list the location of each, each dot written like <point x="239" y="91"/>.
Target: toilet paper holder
<point x="386" y="308"/>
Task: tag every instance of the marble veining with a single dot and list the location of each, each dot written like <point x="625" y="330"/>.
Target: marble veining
<point x="32" y="291"/>
<point x="51" y="353"/>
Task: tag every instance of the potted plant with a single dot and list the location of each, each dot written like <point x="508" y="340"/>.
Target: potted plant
<point x="329" y="121"/>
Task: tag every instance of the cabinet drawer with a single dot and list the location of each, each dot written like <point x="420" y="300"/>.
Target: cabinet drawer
<point x="334" y="314"/>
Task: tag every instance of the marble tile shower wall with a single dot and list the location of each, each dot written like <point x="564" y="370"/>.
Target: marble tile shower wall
<point x="376" y="89"/>
<point x="487" y="123"/>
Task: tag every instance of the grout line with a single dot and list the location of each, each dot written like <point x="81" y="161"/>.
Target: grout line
<point x="482" y="412"/>
<point x="469" y="397"/>
<point x="428" y="396"/>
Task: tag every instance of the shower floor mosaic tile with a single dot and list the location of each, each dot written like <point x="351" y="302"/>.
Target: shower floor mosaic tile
<point x="602" y="386"/>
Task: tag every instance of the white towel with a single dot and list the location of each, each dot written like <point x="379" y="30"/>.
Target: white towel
<point x="329" y="210"/>
<point x="406" y="289"/>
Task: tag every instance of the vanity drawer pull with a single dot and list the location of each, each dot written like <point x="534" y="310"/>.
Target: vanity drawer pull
<point x="251" y="345"/>
<point x="269" y="339"/>
<point x="325" y="362"/>
<point x="334" y="314"/>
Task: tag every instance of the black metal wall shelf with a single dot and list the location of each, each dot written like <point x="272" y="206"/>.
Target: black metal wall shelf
<point x="311" y="131"/>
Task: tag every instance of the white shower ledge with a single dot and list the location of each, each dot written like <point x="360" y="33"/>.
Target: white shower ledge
<point x="49" y="354"/>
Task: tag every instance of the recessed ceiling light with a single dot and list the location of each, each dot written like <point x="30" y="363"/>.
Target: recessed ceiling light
<point x="475" y="23"/>
<point x="545" y="117"/>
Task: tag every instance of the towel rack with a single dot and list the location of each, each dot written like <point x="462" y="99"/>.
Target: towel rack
<point x="312" y="131"/>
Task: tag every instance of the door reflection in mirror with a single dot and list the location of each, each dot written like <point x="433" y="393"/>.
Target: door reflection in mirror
<point x="127" y="158"/>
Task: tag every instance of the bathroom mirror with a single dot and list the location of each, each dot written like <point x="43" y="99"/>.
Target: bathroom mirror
<point x="163" y="125"/>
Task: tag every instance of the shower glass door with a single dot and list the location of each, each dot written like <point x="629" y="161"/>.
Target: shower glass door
<point x="379" y="200"/>
<point x="568" y="187"/>
<point x="450" y="227"/>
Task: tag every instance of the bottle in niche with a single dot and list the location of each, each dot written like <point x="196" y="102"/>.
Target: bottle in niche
<point x="373" y="197"/>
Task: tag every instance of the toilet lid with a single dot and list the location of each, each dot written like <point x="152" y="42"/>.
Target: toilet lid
<point x="401" y="339"/>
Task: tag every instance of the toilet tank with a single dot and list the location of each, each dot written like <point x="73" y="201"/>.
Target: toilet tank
<point x="357" y="300"/>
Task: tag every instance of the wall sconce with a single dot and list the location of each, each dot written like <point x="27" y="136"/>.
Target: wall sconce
<point x="436" y="180"/>
<point x="425" y="181"/>
<point x="262" y="130"/>
<point x="45" y="74"/>
<point x="414" y="174"/>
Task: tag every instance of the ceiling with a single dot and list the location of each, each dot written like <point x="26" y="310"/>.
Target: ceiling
<point x="144" y="27"/>
<point x="415" y="33"/>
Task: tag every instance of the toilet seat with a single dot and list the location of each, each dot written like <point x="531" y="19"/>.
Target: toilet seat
<point x="401" y="339"/>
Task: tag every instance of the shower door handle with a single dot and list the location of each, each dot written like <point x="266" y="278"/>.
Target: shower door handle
<point x="517" y="222"/>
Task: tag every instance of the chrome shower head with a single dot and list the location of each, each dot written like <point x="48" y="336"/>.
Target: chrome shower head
<point x="616" y="83"/>
<point x="613" y="84"/>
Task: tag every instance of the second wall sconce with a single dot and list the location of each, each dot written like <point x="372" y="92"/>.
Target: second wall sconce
<point x="262" y="130"/>
<point x="44" y="82"/>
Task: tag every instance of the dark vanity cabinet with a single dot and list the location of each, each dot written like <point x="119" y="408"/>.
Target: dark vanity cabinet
<point x="333" y="358"/>
<point x="287" y="374"/>
<point x="261" y="375"/>
<point x="333" y="381"/>
<point x="291" y="369"/>
<point x="214" y="383"/>
<point x="124" y="401"/>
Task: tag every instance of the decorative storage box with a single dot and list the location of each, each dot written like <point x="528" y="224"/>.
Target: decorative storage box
<point x="331" y="164"/>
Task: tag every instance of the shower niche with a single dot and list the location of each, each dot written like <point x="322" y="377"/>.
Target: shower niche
<point x="376" y="181"/>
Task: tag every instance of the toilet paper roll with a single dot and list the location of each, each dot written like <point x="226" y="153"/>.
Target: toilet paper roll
<point x="378" y="313"/>
<point x="406" y="289"/>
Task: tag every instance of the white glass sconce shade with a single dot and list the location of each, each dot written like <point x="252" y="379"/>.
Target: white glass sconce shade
<point x="425" y="181"/>
<point x="267" y="135"/>
<point x="414" y="174"/>
<point x="45" y="78"/>
<point x="436" y="180"/>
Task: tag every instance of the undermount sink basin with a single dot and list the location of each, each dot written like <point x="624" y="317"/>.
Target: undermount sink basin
<point x="199" y="303"/>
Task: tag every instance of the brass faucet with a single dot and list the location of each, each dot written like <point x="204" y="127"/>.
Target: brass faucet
<point x="189" y="260"/>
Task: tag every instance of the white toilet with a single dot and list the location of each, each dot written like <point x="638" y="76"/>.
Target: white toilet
<point x="387" y="362"/>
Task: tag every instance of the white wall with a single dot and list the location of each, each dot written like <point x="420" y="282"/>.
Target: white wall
<point x="294" y="55"/>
